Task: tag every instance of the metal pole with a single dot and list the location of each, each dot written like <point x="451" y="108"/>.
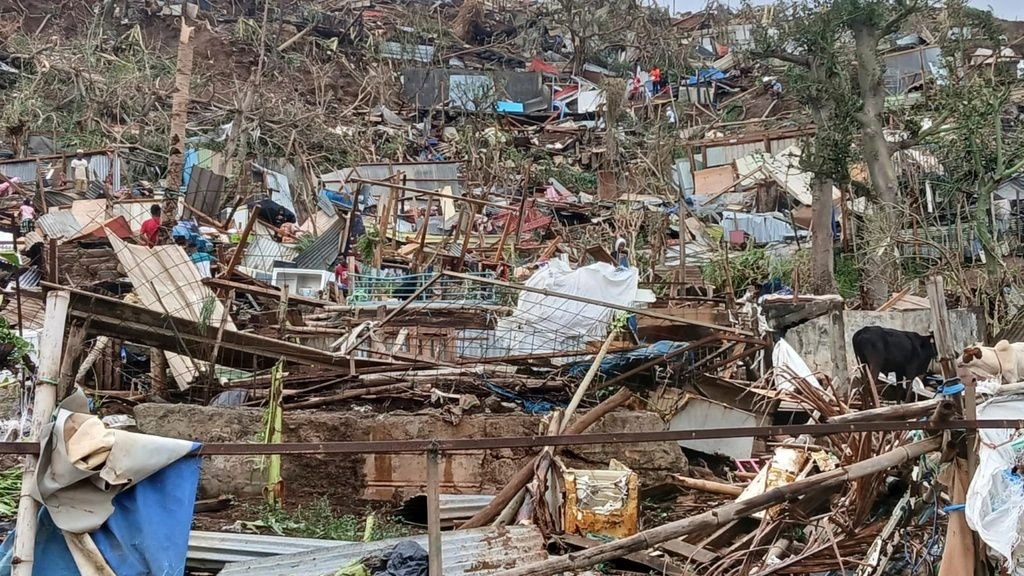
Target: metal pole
<point x="434" y="563"/>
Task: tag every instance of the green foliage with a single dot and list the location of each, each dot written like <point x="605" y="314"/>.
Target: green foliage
<point x="318" y="520"/>
<point x="753" y="266"/>
<point x="847" y="276"/>
<point x="572" y="178"/>
<point x="304" y="243"/>
<point x="10" y="491"/>
<point x="20" y="347"/>
<point x="366" y="245"/>
<point x="206" y="311"/>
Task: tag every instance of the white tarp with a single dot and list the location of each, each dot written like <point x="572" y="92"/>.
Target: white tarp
<point x="552" y="324"/>
<point x="83" y="465"/>
<point x="784" y="356"/>
<point x="995" y="498"/>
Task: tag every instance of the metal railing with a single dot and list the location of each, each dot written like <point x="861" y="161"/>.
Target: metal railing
<point x="367" y="289"/>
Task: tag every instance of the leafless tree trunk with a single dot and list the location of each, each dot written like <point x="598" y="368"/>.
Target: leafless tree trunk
<point x="878" y="270"/>
<point x="179" y="108"/>
<point x="823" y="279"/>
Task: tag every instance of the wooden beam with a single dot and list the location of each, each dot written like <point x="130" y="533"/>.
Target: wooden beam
<point x="221" y="283"/>
<point x="433" y="193"/>
<point x="236" y="257"/>
<point x="140" y="325"/>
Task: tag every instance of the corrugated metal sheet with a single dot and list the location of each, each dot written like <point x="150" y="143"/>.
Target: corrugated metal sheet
<point x="134" y="212"/>
<point x="30" y="278"/>
<point x="165" y="279"/>
<point x="480" y="551"/>
<point x="425" y="175"/>
<point x="33" y="310"/>
<point x="324" y="250"/>
<point x="204" y="190"/>
<point x="280" y="189"/>
<point x="453" y="507"/>
<point x="261" y="252"/>
<point x="215" y="549"/>
<point x="101" y="165"/>
<point x="399" y="51"/>
<point x="722" y="155"/>
<point x="59" y="224"/>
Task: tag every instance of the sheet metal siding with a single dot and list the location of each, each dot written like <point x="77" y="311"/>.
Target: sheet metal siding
<point x="423" y="175"/>
<point x="722" y="155"/>
<point x="204" y="190"/>
<point x="262" y="251"/>
<point x="324" y="250"/>
<point x="59" y="224"/>
<point x="215" y="549"/>
<point x="134" y="212"/>
<point x="480" y="551"/>
<point x="100" y="164"/>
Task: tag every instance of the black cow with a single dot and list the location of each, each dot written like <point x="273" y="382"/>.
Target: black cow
<point x="884" y="350"/>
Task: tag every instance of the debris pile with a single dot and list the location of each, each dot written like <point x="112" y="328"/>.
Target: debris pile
<point x="545" y="282"/>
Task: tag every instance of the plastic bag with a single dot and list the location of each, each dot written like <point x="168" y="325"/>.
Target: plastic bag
<point x="995" y="498"/>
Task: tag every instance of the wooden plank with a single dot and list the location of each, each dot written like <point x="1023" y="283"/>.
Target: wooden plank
<point x="140" y="325"/>
<point x="220" y="283"/>
<point x="686" y="550"/>
<point x="660" y="564"/>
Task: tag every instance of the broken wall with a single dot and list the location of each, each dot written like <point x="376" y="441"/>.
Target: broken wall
<point x="382" y="476"/>
<point x="813" y="339"/>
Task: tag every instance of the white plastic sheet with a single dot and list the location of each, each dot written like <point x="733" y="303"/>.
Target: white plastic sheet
<point x="784" y="356"/>
<point x="995" y="498"/>
<point x="552" y="324"/>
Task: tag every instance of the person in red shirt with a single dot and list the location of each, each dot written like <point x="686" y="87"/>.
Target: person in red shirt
<point x="151" y="228"/>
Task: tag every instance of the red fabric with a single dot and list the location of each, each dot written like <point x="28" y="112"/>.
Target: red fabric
<point x="150" y="229"/>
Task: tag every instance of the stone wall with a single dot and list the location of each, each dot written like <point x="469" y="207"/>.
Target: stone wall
<point x="813" y="339"/>
<point x="386" y="476"/>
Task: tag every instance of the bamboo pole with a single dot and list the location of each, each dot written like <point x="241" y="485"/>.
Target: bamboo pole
<point x="526" y="473"/>
<point x="86" y="555"/>
<point x="45" y="401"/>
<point x="102" y="343"/>
<point x="236" y="256"/>
<point x="723" y="515"/>
<point x="708" y="486"/>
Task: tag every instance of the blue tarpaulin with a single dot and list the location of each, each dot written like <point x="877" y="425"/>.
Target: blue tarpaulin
<point x="146" y="535"/>
<point x="620" y="362"/>
<point x="531" y="406"/>
<point x="705" y="75"/>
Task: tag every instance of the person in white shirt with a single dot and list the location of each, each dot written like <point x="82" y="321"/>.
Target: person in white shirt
<point x="80" y="170"/>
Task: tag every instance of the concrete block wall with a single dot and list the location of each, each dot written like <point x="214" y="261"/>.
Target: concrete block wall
<point x="813" y="339"/>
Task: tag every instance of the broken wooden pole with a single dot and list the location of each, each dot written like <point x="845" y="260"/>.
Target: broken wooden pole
<point x="45" y="402"/>
<point x="239" y="252"/>
<point x="179" y="109"/>
<point x="526" y="473"/>
<point x="98" y="349"/>
<point x="709" y="486"/>
<point x="725" y="514"/>
<point x="434" y="563"/>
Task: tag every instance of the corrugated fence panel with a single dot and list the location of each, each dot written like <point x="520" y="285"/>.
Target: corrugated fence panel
<point x="424" y="175"/>
<point x="722" y="155"/>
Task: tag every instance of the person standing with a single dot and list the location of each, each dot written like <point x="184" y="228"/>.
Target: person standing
<point x="151" y="228"/>
<point x="80" y="171"/>
<point x="27" y="215"/>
